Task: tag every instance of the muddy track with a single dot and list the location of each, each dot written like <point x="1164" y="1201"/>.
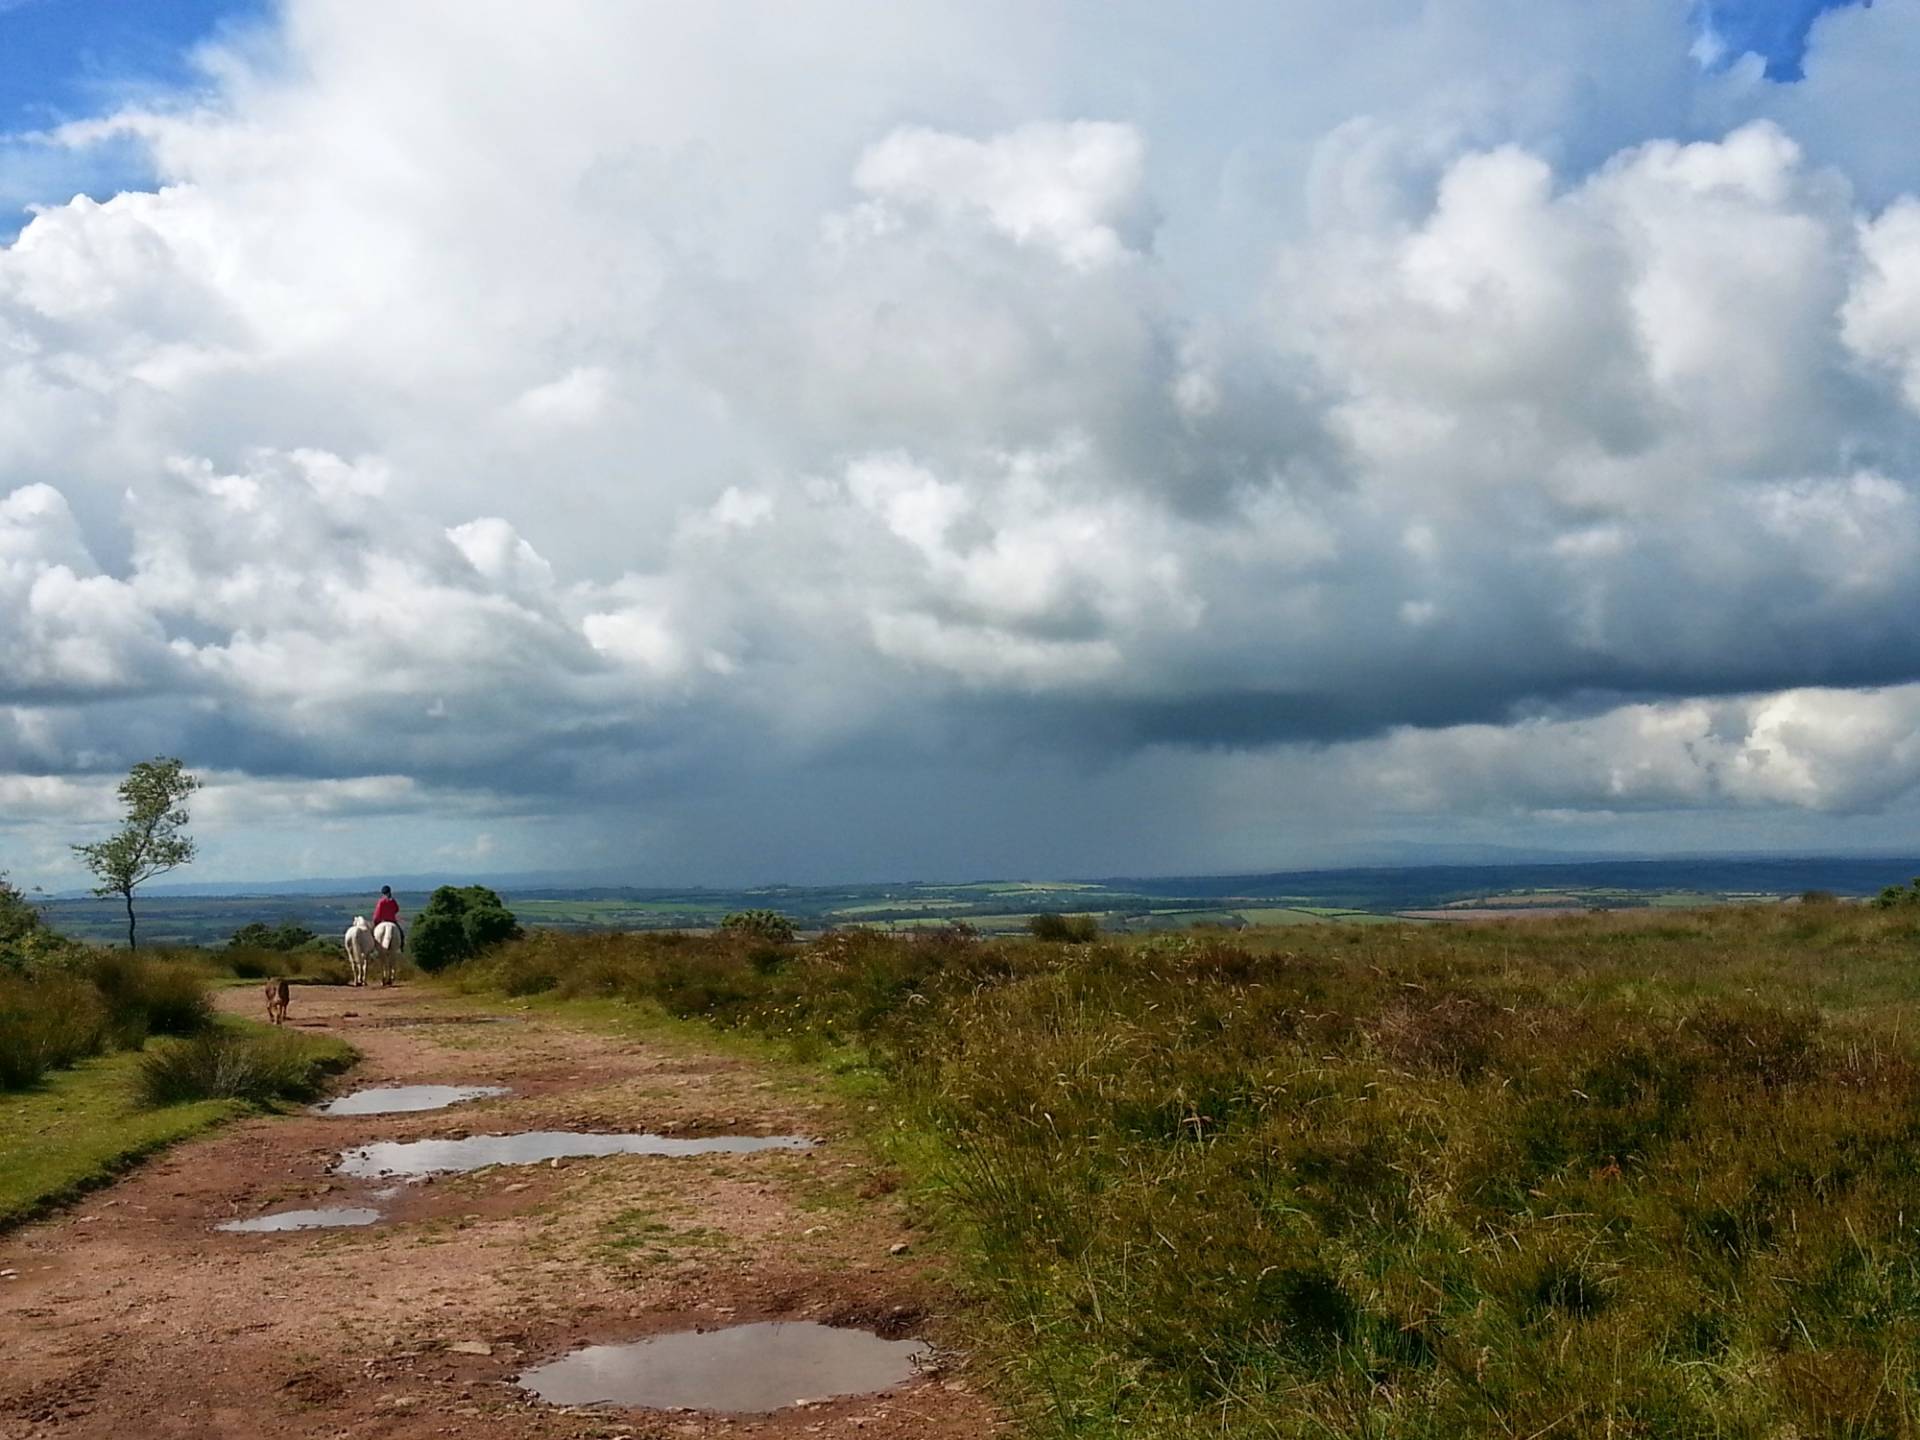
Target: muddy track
<point x="131" y="1316"/>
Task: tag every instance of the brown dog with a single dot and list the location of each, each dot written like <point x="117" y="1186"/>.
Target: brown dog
<point x="277" y="996"/>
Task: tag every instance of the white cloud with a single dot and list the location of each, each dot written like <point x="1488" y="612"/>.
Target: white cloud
<point x="539" y="421"/>
<point x="1073" y="189"/>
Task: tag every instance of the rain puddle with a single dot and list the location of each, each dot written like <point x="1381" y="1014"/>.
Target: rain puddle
<point x="394" y="1099"/>
<point x="742" y="1369"/>
<point x="439" y="1157"/>
<point x="305" y="1219"/>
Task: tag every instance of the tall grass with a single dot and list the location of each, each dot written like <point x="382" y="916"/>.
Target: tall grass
<point x="225" y="1064"/>
<point x="55" y="1016"/>
<point x="1652" y="1175"/>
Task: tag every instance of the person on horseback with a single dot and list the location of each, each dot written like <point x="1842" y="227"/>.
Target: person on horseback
<point x="386" y="908"/>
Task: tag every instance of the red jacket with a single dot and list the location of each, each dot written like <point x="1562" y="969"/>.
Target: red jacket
<point x="387" y="909"/>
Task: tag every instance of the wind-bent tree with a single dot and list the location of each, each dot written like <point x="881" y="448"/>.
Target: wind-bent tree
<point x="152" y="839"/>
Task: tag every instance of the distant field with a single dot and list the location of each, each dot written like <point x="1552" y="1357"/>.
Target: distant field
<point x="1003" y="906"/>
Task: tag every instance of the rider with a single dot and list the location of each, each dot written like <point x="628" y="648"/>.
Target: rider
<point x="386" y="907"/>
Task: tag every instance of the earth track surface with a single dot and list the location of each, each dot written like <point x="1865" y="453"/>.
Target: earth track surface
<point x="131" y="1316"/>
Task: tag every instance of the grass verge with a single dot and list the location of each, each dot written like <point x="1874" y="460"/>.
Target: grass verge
<point x="80" y="1128"/>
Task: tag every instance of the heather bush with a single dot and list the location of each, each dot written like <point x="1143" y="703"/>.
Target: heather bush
<point x="1630" y="1174"/>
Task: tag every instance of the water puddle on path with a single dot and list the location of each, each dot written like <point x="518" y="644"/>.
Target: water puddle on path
<point x="742" y="1369"/>
<point x="476" y="1152"/>
<point x="304" y="1219"/>
<point x="397" y="1099"/>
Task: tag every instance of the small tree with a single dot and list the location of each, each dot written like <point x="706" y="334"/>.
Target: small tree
<point x="152" y="839"/>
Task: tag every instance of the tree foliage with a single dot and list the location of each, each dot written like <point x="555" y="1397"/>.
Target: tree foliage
<point x="457" y="923"/>
<point x="152" y="838"/>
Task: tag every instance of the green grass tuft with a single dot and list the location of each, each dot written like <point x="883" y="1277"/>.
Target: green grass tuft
<point x="252" y="1064"/>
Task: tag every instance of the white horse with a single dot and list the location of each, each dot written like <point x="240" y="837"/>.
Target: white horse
<point x="388" y="940"/>
<point x="361" y="944"/>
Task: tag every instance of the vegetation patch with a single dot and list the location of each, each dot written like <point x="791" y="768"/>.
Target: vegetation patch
<point x="1605" y="1175"/>
<point x="82" y="1127"/>
<point x="244" y="1062"/>
<point x="78" y="1128"/>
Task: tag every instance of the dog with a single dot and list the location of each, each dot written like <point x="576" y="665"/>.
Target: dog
<point x="278" y="993"/>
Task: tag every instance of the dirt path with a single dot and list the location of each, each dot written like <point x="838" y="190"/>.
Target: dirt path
<point x="130" y="1316"/>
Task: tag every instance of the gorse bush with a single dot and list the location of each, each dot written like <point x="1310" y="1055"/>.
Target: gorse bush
<point x="1073" y="929"/>
<point x="1898" y="896"/>
<point x="762" y="924"/>
<point x="458" y="923"/>
<point x="27" y="944"/>
<point x="1644" y="1175"/>
<point x="221" y="1064"/>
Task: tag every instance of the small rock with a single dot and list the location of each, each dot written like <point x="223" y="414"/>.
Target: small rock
<point x="899" y="1248"/>
<point x="9" y="1274"/>
<point x="469" y="1347"/>
<point x="554" y="1164"/>
<point x="518" y="1185"/>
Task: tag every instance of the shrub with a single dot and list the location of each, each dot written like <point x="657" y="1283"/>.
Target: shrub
<point x="26" y="944"/>
<point x="221" y="1064"/>
<point x="458" y="923"/>
<point x="761" y="924"/>
<point x="1072" y="929"/>
<point x="1897" y="896"/>
<point x="46" y="1024"/>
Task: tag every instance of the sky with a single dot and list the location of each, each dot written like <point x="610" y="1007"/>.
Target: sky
<point x="853" y="441"/>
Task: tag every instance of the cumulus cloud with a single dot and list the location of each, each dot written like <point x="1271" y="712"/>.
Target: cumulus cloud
<point x="1002" y="404"/>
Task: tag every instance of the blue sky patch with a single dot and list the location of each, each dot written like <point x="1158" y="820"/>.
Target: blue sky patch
<point x="1774" y="29"/>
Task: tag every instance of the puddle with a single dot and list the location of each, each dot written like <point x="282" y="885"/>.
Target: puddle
<point x="476" y="1152"/>
<point x="305" y="1219"/>
<point x="395" y="1099"/>
<point x="741" y="1369"/>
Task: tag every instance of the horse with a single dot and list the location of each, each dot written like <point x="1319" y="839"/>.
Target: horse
<point x="360" y="946"/>
<point x="388" y="940"/>
<point x="277" y="996"/>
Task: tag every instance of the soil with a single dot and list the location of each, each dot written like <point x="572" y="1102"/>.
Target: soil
<point x="131" y="1316"/>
